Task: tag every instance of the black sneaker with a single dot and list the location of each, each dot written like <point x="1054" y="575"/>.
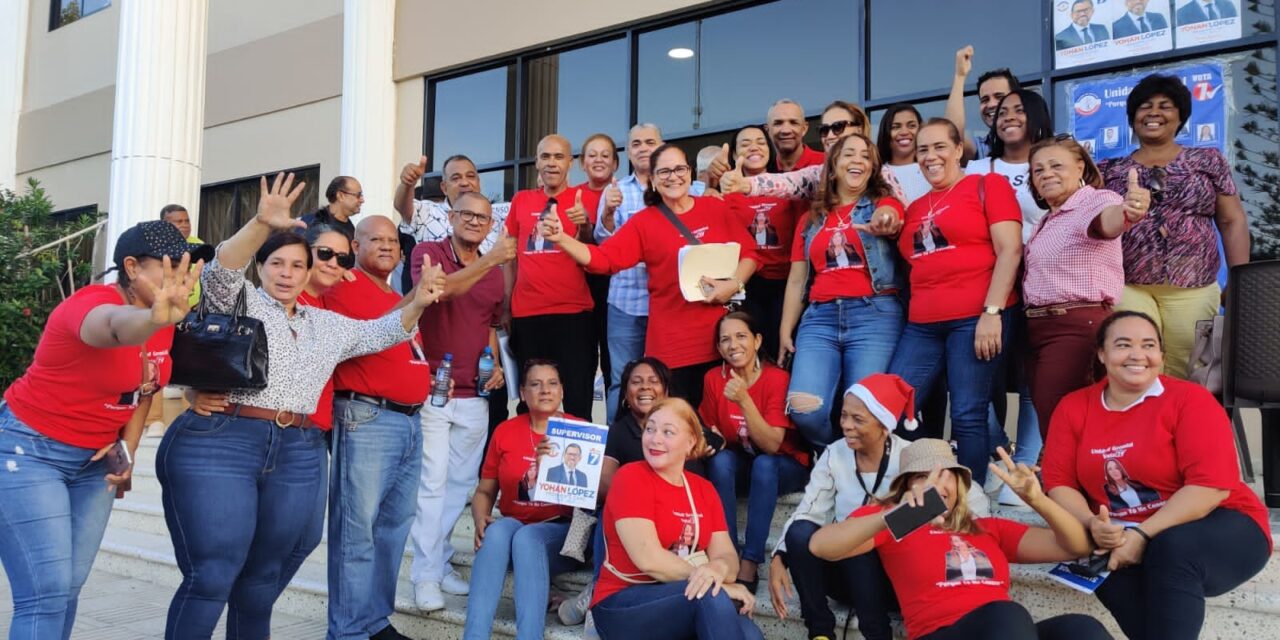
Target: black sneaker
<point x="388" y="633"/>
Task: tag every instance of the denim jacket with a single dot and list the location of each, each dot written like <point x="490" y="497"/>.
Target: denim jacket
<point x="882" y="256"/>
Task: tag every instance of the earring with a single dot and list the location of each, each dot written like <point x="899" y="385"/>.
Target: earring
<point x="1082" y="183"/>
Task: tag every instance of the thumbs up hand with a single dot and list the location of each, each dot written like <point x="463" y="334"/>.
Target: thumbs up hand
<point x="1137" y="199"/>
<point x="719" y="166"/>
<point x="612" y="197"/>
<point x="1106" y="534"/>
<point x="736" y="389"/>
<point x="504" y="250"/>
<point x="412" y="173"/>
<point x="577" y="214"/>
<point x="733" y="181"/>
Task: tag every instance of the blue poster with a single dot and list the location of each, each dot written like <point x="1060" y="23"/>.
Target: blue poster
<point x="1100" y="124"/>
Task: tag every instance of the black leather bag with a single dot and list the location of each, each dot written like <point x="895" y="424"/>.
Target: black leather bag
<point x="219" y="351"/>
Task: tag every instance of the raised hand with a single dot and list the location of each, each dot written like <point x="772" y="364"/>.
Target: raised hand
<point x="719" y="165"/>
<point x="915" y="497"/>
<point x="733" y="181"/>
<point x="276" y="203"/>
<point x="1019" y="477"/>
<point x="964" y="61"/>
<point x="736" y="389"/>
<point x="779" y="586"/>
<point x="171" y="297"/>
<point x="412" y="173"/>
<point x="1137" y="200"/>
<point x="430" y="285"/>
<point x="504" y="250"/>
<point x="577" y="214"/>
<point x="885" y="222"/>
<point x="612" y="196"/>
<point x="1106" y="534"/>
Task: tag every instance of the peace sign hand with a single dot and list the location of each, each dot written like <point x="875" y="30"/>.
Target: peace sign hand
<point x="1019" y="477"/>
<point x="275" y="204"/>
<point x="171" y="298"/>
<point x="1137" y="199"/>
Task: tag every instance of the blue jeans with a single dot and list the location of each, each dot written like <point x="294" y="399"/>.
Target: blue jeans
<point x="646" y="611"/>
<point x="532" y="551"/>
<point x="924" y="352"/>
<point x="626" y="343"/>
<point x="766" y="477"/>
<point x="55" y="507"/>
<point x="239" y="498"/>
<point x="373" y="494"/>
<point x="839" y="343"/>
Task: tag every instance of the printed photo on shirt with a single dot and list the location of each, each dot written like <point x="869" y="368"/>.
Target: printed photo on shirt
<point x="527" y="482"/>
<point x="763" y="231"/>
<point x="1124" y="494"/>
<point x="684" y="546"/>
<point x="150" y="382"/>
<point x="536" y="243"/>
<point x="840" y="253"/>
<point x="929" y="238"/>
<point x="966" y="563"/>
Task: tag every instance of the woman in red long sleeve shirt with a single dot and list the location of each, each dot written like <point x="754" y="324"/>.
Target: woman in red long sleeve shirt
<point x="680" y="332"/>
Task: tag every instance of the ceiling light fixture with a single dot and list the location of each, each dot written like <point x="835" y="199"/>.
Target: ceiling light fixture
<point x="681" y="53"/>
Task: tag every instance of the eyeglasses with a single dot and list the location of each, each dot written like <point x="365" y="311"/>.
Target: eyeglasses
<point x="471" y="216"/>
<point x="1063" y="137"/>
<point x="678" y="171"/>
<point x="837" y="127"/>
<point x="345" y="260"/>
<point x="1155" y="183"/>
<point x="358" y="194"/>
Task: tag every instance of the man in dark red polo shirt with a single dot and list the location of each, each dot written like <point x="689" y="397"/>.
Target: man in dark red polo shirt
<point x="463" y="323"/>
<point x="786" y="126"/>
<point x="549" y="300"/>
<point x="377" y="438"/>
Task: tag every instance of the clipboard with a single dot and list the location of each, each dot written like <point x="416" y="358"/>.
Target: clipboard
<point x="715" y="260"/>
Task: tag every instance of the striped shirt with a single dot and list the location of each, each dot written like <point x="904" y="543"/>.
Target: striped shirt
<point x="1065" y="264"/>
<point x="629" y="288"/>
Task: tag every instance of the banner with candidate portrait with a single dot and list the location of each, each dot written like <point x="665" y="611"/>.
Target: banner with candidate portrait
<point x="1087" y="31"/>
<point x="1207" y="21"/>
<point x="1099" y="122"/>
<point x="570" y="474"/>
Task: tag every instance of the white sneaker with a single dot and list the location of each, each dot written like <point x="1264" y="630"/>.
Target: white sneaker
<point x="454" y="584"/>
<point x="589" y="628"/>
<point x="574" y="610"/>
<point x="1010" y="499"/>
<point x="427" y="596"/>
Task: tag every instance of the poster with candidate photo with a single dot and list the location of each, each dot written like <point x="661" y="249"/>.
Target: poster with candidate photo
<point x="1089" y="31"/>
<point x="1207" y="21"/>
<point x="570" y="474"/>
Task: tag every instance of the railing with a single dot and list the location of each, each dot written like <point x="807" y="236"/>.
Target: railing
<point x="71" y="281"/>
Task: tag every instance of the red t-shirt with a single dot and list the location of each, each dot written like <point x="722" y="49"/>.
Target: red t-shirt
<point x="808" y="158"/>
<point x="946" y="239"/>
<point x="940" y="576"/>
<point x="769" y="221"/>
<point x="590" y="199"/>
<point x="461" y="324"/>
<point x="680" y="332"/>
<point x="769" y="392"/>
<point x="1161" y="444"/>
<point x="81" y="395"/>
<point x="637" y="491"/>
<point x="399" y="373"/>
<point x="323" y="417"/>
<point x="511" y="462"/>
<point x="547" y="280"/>
<point x="838" y="258"/>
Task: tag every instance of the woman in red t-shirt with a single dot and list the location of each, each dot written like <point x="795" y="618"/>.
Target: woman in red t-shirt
<point x="529" y="535"/>
<point x="963" y="242"/>
<point x="952" y="574"/>
<point x="669" y="563"/>
<point x="679" y="331"/>
<point x="1147" y="463"/>
<point x="599" y="160"/>
<point x="854" y="316"/>
<point x="103" y="354"/>
<point x="744" y="400"/>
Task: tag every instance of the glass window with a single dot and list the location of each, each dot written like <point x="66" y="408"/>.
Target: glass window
<point x="497" y="185"/>
<point x="64" y="12"/>
<point x="577" y="93"/>
<point x="910" y="55"/>
<point x="727" y="69"/>
<point x="227" y="206"/>
<point x="473" y="114"/>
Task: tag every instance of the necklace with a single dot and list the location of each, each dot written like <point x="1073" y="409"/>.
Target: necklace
<point x="943" y="199"/>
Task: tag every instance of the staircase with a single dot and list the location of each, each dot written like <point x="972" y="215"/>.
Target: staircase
<point x="137" y="545"/>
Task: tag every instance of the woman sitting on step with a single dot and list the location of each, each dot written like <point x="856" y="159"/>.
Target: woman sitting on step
<point x="1147" y="463"/>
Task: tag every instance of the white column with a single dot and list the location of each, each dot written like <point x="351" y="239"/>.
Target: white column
<point x="158" y="132"/>
<point x="13" y="64"/>
<point x="369" y="101"/>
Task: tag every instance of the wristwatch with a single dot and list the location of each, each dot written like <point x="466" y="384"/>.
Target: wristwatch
<point x="992" y="310"/>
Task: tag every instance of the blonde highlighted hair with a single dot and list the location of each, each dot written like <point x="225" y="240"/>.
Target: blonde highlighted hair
<point x="685" y="413"/>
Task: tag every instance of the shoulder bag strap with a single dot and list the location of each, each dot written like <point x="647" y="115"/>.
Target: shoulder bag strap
<point x="693" y="513"/>
<point x="675" y="222"/>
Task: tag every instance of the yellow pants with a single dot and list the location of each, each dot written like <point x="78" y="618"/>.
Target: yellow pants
<point x="1175" y="310"/>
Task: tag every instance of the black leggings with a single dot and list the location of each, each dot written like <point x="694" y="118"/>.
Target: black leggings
<point x="859" y="580"/>
<point x="570" y="340"/>
<point x="1164" y="596"/>
<point x="1009" y="620"/>
<point x="686" y="382"/>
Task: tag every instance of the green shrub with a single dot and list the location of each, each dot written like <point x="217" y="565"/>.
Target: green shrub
<point x="32" y="285"/>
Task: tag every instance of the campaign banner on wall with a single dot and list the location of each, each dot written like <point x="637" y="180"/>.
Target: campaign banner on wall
<point x="570" y="474"/>
<point x="1099" y="121"/>
<point x="1088" y="31"/>
<point x="1207" y="21"/>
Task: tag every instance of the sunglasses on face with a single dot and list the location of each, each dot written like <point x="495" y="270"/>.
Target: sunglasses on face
<point x="345" y="260"/>
<point x="837" y="127"/>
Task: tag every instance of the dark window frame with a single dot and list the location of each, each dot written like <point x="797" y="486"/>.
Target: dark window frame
<point x="55" y="13"/>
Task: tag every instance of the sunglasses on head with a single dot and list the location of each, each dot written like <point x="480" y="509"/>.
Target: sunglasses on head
<point x="837" y="127"/>
<point x="1156" y="183"/>
<point x="345" y="260"/>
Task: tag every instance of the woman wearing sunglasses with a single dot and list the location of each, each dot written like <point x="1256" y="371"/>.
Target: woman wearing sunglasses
<point x="896" y="142"/>
<point x="1171" y="256"/>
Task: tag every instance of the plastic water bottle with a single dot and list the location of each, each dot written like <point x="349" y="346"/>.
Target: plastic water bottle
<point x="440" y="390"/>
<point x="484" y="372"/>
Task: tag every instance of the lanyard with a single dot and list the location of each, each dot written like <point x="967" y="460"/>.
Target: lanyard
<point x="884" y="466"/>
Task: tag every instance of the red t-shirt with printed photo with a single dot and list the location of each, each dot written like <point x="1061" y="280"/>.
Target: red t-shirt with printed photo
<point x="946" y="239"/>
<point x="322" y="418"/>
<point x="769" y="221"/>
<point x="547" y="280"/>
<point x="1134" y="460"/>
<point x="941" y="576"/>
<point x="81" y="395"/>
<point x="511" y="462"/>
<point x="836" y="254"/>
<point x="680" y="332"/>
<point x="637" y="491"/>
<point x="769" y="393"/>
<point x="399" y="373"/>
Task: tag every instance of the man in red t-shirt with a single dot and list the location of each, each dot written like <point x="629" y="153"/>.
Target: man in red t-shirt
<point x="550" y="304"/>
<point x="462" y="324"/>
<point x="376" y="440"/>
<point x="786" y="127"/>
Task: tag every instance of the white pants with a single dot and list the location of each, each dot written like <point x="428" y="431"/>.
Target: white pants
<point x="452" y="445"/>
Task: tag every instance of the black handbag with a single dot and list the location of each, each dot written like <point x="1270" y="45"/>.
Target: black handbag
<point x="220" y="351"/>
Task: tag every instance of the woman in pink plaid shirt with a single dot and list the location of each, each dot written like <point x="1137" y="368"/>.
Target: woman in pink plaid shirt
<point x="1074" y="267"/>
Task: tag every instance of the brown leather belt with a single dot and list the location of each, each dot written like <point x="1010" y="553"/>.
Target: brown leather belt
<point x="283" y="418"/>
<point x="1061" y="309"/>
